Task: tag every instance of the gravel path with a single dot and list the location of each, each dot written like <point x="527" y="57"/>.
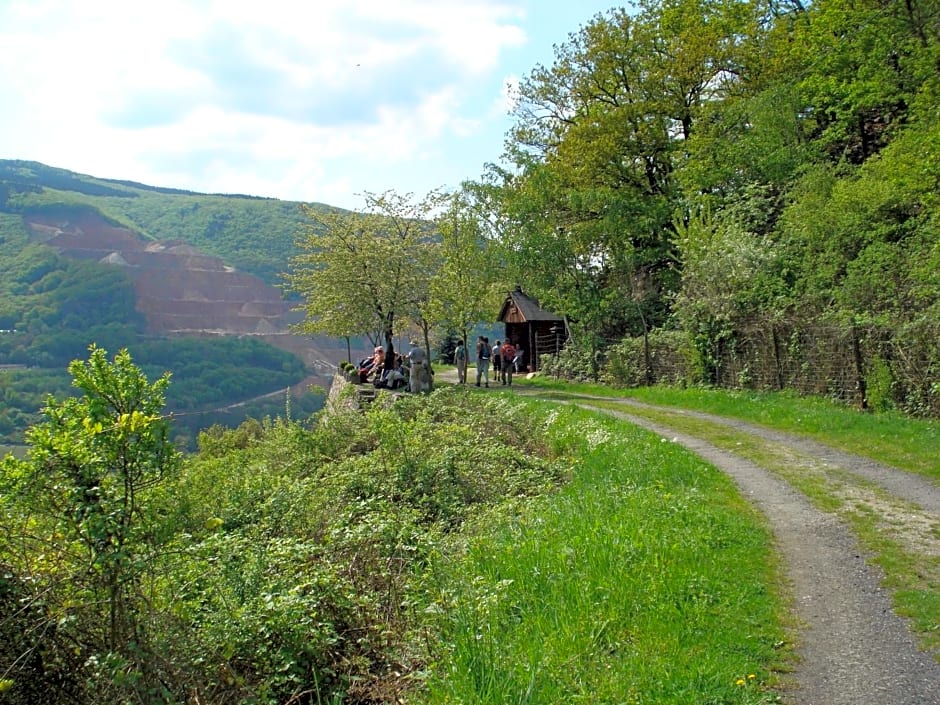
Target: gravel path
<point x="852" y="648"/>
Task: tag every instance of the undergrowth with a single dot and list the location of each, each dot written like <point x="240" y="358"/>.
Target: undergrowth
<point x="454" y="547"/>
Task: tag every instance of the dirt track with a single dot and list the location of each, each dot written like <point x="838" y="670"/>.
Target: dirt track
<point x="852" y="648"/>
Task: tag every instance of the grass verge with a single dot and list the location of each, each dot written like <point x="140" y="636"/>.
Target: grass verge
<point x="900" y="539"/>
<point x="892" y="438"/>
<point x="646" y="579"/>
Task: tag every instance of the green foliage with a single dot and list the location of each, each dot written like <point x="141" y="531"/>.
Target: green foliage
<point x="305" y="562"/>
<point x="664" y="357"/>
<point x="459" y="291"/>
<point x="365" y="273"/>
<point x="722" y="166"/>
<point x="254" y="234"/>
<point x="279" y="562"/>
<point x="81" y="494"/>
<point x="641" y="581"/>
<point x="211" y="374"/>
<point x="571" y="363"/>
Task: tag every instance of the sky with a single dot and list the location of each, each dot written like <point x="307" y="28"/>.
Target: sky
<point x="302" y="100"/>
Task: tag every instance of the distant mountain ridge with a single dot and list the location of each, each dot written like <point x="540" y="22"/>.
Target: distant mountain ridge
<point x="26" y="172"/>
<point x="201" y="264"/>
<point x="253" y="234"/>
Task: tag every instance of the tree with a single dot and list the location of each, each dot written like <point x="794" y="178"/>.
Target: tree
<point x="362" y="272"/>
<point x="460" y="288"/>
<point x="598" y="135"/>
<point x="724" y="282"/>
<point x="88" y="470"/>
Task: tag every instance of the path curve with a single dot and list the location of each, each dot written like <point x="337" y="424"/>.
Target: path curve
<point x="852" y="648"/>
<point x="915" y="489"/>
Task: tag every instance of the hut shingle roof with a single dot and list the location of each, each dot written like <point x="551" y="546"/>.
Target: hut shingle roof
<point x="528" y="307"/>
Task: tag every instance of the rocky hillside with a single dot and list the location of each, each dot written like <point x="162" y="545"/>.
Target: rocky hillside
<point x="181" y="290"/>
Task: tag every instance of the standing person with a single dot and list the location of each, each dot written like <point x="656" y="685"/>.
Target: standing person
<point x="508" y="353"/>
<point x="460" y="359"/>
<point x="497" y="361"/>
<point x="483" y="360"/>
<point x="420" y="379"/>
<point x="517" y="360"/>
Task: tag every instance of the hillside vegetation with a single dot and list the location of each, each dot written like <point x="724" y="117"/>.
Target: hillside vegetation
<point x="256" y="235"/>
<point x="53" y="307"/>
<point x="453" y="547"/>
<point x="736" y="193"/>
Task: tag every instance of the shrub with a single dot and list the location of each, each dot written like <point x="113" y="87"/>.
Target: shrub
<point x="670" y="360"/>
<point x="571" y="363"/>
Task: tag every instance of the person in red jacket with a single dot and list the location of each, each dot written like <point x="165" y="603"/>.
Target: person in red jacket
<point x="507" y="352"/>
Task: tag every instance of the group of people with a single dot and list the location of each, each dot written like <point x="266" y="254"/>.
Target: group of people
<point x="372" y="370"/>
<point x="412" y="370"/>
<point x="506" y="358"/>
<point x="409" y="370"/>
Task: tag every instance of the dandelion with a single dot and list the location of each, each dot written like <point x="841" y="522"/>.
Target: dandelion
<point x="739" y="681"/>
<point x="751" y="676"/>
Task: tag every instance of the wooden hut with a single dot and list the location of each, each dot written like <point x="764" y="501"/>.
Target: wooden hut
<point x="528" y="325"/>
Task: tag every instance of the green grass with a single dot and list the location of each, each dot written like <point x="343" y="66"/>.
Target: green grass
<point x="646" y="580"/>
<point x="911" y="572"/>
<point x="904" y="442"/>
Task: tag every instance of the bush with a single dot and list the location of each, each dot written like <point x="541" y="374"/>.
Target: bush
<point x="307" y="549"/>
<point x="570" y="363"/>
<point x="670" y="360"/>
<point x="281" y="563"/>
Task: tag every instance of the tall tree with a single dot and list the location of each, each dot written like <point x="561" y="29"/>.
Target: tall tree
<point x="460" y="289"/>
<point x="363" y="272"/>
<point x="592" y="190"/>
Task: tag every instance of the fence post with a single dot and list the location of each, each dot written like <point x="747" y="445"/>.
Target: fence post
<point x="777" y="363"/>
<point x="859" y="370"/>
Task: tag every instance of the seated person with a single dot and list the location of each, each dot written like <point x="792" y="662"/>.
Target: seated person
<point x="363" y="368"/>
<point x="393" y="378"/>
<point x="372" y="365"/>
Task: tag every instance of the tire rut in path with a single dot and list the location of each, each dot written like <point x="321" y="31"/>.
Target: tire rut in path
<point x="853" y="649"/>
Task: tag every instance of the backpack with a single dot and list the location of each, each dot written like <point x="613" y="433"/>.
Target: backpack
<point x="484" y="351"/>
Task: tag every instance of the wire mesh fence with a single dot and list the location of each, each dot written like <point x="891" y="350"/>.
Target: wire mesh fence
<point x="871" y="366"/>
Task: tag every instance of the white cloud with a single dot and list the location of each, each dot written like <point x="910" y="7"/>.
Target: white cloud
<point x="303" y="101"/>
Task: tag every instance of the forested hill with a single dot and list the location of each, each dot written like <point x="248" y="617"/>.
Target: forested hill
<point x="184" y="281"/>
<point x="255" y="235"/>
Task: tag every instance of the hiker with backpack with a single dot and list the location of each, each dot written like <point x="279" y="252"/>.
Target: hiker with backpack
<point x="508" y="353"/>
<point x="483" y="360"/>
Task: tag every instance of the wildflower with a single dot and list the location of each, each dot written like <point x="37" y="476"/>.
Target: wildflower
<point x="739" y="681"/>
